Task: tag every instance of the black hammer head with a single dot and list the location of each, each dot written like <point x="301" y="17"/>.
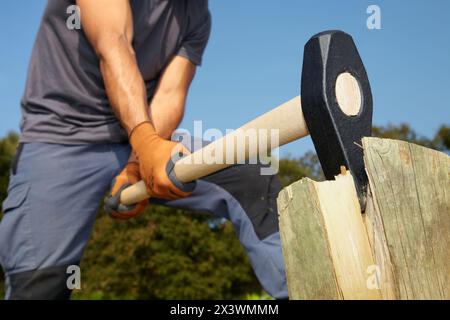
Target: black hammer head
<point x="337" y="131"/>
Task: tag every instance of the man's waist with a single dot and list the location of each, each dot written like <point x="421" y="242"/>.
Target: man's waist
<point x="52" y="131"/>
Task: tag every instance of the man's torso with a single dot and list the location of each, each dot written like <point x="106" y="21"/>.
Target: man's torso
<point x="65" y="99"/>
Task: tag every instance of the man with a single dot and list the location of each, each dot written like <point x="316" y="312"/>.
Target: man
<point x="122" y="79"/>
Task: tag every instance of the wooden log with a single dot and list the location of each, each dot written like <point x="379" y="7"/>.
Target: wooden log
<point x="325" y="245"/>
<point x="398" y="249"/>
<point x="384" y="276"/>
<point x="411" y="188"/>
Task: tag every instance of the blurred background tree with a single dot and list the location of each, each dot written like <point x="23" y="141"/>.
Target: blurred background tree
<point x="173" y="254"/>
<point x="7" y="150"/>
<point x="165" y="254"/>
<point x="440" y="141"/>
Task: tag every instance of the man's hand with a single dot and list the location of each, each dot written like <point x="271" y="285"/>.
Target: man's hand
<point x="129" y="175"/>
<point x="153" y="153"/>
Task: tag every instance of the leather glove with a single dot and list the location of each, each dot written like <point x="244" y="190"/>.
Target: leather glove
<point x="129" y="175"/>
<point x="153" y="153"/>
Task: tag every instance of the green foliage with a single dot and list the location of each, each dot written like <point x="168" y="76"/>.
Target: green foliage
<point x="441" y="140"/>
<point x="7" y="150"/>
<point x="165" y="254"/>
<point x="254" y="296"/>
<point x="293" y="169"/>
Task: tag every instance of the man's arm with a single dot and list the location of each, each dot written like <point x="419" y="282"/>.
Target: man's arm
<point x="167" y="105"/>
<point x="166" y="109"/>
<point x="108" y="25"/>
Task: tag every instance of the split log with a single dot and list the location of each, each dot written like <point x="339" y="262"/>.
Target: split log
<point x="397" y="249"/>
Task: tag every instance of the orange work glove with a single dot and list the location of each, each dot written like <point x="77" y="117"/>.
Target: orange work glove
<point x="154" y="153"/>
<point x="129" y="175"/>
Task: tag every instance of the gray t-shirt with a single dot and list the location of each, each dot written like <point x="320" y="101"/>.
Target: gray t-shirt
<point x="65" y="100"/>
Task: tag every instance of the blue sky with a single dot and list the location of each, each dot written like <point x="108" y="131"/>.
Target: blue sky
<point x="253" y="61"/>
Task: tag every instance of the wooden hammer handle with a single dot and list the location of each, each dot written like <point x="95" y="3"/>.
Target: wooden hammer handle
<point x="287" y="119"/>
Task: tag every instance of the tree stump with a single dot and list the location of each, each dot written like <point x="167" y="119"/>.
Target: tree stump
<point x="398" y="249"/>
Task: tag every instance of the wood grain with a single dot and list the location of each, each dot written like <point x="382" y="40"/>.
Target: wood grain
<point x="325" y="244"/>
<point x="309" y="267"/>
<point x="348" y="94"/>
<point x="411" y="186"/>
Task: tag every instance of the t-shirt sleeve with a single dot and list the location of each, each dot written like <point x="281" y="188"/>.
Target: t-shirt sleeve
<point x="194" y="43"/>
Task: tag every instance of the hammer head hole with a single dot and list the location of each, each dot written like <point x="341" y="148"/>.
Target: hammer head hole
<point x="348" y="94"/>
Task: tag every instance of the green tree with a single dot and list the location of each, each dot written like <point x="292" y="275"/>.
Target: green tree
<point x="440" y="141"/>
<point x="293" y="169"/>
<point x="7" y="150"/>
<point x="165" y="254"/>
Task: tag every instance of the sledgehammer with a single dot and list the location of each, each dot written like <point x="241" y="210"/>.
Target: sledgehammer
<point x="335" y="108"/>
